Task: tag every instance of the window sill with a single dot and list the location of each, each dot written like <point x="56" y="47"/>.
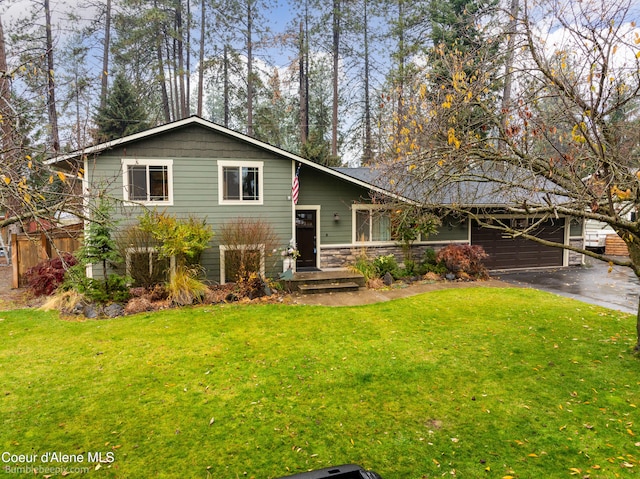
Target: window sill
<point x="240" y="202"/>
<point x="147" y="203"/>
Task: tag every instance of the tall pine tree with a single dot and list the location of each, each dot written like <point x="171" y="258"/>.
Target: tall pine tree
<point x="122" y="113"/>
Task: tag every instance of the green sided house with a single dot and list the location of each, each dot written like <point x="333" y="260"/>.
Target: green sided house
<point x="195" y="167"/>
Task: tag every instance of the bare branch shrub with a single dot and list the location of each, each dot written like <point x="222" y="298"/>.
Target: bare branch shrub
<point x="246" y="240"/>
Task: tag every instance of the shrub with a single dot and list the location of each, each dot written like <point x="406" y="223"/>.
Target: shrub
<point x="387" y="264"/>
<point x="464" y="259"/>
<point x="431" y="264"/>
<point x="45" y="277"/>
<point x="253" y="286"/>
<point x="246" y="240"/>
<point x="114" y="288"/>
<point x="144" y="264"/>
<point x="411" y="223"/>
<point x="185" y="239"/>
<point x="365" y="267"/>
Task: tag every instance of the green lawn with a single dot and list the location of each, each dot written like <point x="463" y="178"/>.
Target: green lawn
<point x="470" y="383"/>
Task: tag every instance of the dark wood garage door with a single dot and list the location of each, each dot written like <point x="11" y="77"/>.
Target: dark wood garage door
<point x="506" y="252"/>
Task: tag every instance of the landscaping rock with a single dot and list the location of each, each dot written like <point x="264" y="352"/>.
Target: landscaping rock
<point x="387" y="279"/>
<point x="77" y="309"/>
<point x="91" y="311"/>
<point x="114" y="310"/>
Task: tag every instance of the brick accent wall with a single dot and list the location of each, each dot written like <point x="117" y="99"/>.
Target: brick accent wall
<point x="332" y="258"/>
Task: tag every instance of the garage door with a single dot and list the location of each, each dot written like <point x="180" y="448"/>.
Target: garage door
<point x="506" y="252"/>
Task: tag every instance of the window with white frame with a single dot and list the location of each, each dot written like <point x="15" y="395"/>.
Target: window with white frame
<point x="145" y="266"/>
<point x="148" y="181"/>
<point x="371" y="224"/>
<point x="240" y="259"/>
<point x="240" y="182"/>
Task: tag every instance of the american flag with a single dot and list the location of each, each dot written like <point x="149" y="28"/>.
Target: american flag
<point x="295" y="188"/>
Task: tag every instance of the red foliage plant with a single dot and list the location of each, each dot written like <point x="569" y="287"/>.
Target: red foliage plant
<point x="45" y="277"/>
<point x="464" y="259"/>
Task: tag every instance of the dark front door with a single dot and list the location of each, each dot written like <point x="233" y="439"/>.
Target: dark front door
<point x="306" y="239"/>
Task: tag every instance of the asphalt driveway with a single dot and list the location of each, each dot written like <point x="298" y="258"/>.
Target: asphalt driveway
<point x="618" y="289"/>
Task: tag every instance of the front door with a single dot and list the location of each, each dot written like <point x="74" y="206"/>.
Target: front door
<point x="306" y="239"/>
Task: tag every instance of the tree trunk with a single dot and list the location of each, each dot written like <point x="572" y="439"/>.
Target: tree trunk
<point x="336" y="58"/>
<point x="506" y="94"/>
<point x="201" y="66"/>
<point x="633" y="246"/>
<point x="226" y="86"/>
<point x="6" y="111"/>
<point x="51" y="92"/>
<point x="637" y="347"/>
<point x="368" y="150"/>
<point x="249" y="69"/>
<point x="401" y="69"/>
<point x="104" y="77"/>
<point x="8" y="149"/>
<point x="181" y="106"/>
<point x="187" y="73"/>
<point x="161" y="73"/>
<point x="304" y="106"/>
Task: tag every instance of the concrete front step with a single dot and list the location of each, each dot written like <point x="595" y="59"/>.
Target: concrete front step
<point x="317" y="288"/>
<point x="313" y="282"/>
<point x="324" y="277"/>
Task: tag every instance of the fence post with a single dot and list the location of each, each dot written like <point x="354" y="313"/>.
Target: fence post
<point x="15" y="284"/>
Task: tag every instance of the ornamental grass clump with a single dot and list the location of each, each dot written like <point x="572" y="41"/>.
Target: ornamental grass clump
<point x="185" y="288"/>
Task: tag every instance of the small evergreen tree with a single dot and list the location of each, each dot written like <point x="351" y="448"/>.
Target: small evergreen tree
<point x="99" y="248"/>
<point x="122" y="114"/>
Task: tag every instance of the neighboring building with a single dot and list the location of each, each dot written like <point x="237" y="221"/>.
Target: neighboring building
<point x="195" y="167"/>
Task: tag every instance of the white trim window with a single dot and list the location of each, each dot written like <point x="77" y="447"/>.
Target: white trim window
<point x="240" y="182"/>
<point x="148" y="182"/>
<point x="371" y="224"/>
<point x="146" y="268"/>
<point x="250" y="255"/>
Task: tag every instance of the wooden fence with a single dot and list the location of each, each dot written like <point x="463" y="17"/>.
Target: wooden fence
<point x="28" y="250"/>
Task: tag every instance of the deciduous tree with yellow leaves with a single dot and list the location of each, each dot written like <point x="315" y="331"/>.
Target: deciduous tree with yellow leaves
<point x="565" y="140"/>
<point x="29" y="190"/>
